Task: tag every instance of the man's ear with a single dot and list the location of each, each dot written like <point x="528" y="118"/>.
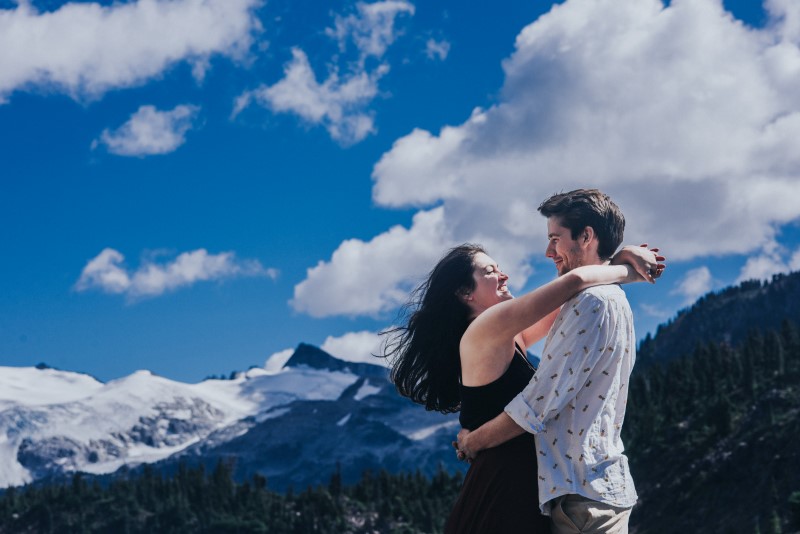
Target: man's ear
<point x="587" y="236"/>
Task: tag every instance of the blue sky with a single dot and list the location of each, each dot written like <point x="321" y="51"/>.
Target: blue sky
<point x="192" y="186"/>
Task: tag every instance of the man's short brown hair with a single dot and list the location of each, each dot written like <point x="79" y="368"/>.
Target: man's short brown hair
<point x="588" y="207"/>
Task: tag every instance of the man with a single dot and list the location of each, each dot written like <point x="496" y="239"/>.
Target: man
<point x="575" y="403"/>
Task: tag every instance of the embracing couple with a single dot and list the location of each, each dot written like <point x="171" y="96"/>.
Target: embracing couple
<point x="541" y="442"/>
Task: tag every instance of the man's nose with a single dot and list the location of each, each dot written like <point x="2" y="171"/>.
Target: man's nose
<point x="550" y="251"/>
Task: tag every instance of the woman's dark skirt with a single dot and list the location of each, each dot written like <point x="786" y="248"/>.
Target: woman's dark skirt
<point x="500" y="493"/>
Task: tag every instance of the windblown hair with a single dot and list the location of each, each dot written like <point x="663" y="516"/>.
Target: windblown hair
<point x="588" y="207"/>
<point x="424" y="353"/>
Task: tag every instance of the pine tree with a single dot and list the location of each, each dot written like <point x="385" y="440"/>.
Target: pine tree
<point x="791" y="343"/>
<point x="749" y="376"/>
<point x="335" y="485"/>
<point x="794" y="509"/>
<point x="774" y="354"/>
<point x="721" y="417"/>
<point x="774" y="526"/>
<point x="223" y="488"/>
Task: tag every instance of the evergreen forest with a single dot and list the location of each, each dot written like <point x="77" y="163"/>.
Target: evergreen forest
<point x="712" y="438"/>
<point x="193" y="501"/>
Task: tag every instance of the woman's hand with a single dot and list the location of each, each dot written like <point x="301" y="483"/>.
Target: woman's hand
<point x="463" y="452"/>
<point x="646" y="263"/>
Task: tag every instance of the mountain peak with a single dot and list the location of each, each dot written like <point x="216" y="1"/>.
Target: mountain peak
<point x="313" y="357"/>
<point x="316" y="358"/>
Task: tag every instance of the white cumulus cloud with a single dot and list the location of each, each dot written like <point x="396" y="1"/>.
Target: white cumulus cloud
<point x="277" y="360"/>
<point x="771" y="260"/>
<point x="150" y="131"/>
<point x="356" y="347"/>
<point x="107" y="272"/>
<point x="688" y="118"/>
<point x="695" y="283"/>
<point x="340" y="103"/>
<point x="794" y="262"/>
<point x="375" y="276"/>
<point x="85" y="49"/>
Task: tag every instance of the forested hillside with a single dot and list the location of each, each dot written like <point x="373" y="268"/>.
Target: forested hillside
<point x="713" y="438"/>
<point x="724" y="317"/>
<point x="713" y="417"/>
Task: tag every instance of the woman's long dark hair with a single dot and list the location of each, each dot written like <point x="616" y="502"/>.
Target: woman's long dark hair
<point x="424" y="354"/>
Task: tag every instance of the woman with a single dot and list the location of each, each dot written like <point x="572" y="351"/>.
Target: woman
<point x="438" y="361"/>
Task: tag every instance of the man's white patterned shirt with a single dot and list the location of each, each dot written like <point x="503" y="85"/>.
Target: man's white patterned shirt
<point x="575" y="402"/>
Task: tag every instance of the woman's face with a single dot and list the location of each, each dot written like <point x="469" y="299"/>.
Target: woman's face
<point x="490" y="284"/>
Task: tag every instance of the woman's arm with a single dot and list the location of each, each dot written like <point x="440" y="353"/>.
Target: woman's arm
<point x="538" y="330"/>
<point x="503" y="321"/>
<point x="640" y="258"/>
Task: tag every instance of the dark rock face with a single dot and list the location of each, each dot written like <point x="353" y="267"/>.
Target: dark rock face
<point x="164" y="429"/>
<point x="45" y="457"/>
<point x="317" y="358"/>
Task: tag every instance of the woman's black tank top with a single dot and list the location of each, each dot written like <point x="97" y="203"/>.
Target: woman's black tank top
<point x="480" y="404"/>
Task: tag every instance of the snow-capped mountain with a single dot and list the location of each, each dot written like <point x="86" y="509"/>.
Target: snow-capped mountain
<point x="278" y="423"/>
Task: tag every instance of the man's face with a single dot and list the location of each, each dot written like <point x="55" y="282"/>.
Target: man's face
<point x="565" y="252"/>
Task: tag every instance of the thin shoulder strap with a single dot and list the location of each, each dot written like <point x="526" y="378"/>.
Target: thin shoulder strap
<point x="524" y="357"/>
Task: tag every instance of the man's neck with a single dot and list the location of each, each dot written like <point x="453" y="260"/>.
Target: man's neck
<point x="594" y="259"/>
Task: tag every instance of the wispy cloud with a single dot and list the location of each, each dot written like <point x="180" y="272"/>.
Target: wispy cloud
<point x="85" y="49"/>
<point x="686" y="117"/>
<point x="437" y="49"/>
<point x="655" y="311"/>
<point x="107" y="273"/>
<point x="340" y="103"/>
<point x="694" y="284"/>
<point x="150" y="131"/>
<point x="371" y="28"/>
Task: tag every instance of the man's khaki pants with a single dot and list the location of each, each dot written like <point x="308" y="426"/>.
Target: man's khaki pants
<point x="574" y="514"/>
